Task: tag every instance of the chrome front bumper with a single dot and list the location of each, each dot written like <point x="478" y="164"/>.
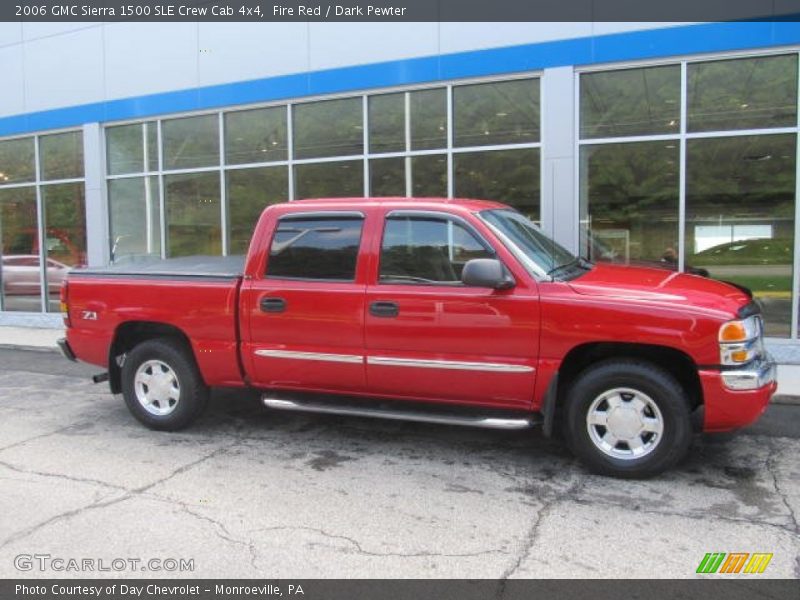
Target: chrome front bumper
<point x="754" y="376"/>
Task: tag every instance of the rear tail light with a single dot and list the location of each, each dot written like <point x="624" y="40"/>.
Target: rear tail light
<point x="64" y="298"/>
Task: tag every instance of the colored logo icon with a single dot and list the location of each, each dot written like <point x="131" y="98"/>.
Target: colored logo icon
<point x="735" y="562"/>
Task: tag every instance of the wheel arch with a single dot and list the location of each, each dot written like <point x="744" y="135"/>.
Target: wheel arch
<point x="676" y="362"/>
<point x="130" y="334"/>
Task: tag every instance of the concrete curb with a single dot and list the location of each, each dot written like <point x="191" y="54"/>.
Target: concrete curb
<point x="29" y="348"/>
<point x="784" y="399"/>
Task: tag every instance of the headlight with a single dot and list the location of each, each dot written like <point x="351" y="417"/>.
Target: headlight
<point x="740" y="341"/>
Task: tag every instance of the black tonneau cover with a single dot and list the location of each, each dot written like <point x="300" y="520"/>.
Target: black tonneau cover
<point x="216" y="267"/>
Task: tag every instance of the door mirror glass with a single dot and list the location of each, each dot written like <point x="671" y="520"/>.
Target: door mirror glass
<point x="486" y="272"/>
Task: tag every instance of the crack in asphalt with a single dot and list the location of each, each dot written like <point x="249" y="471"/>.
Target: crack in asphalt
<point x="222" y="532"/>
<point x="85" y="480"/>
<point x="529" y="541"/>
<point x="772" y="470"/>
<point x="98" y="504"/>
<point x="37" y="437"/>
<point x="360" y="549"/>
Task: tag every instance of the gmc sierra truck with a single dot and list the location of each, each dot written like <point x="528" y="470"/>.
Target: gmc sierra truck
<point x="457" y="312"/>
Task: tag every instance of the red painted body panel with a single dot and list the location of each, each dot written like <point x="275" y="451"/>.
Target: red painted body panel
<point x="725" y="409"/>
<point x="531" y="327"/>
<point x="204" y="311"/>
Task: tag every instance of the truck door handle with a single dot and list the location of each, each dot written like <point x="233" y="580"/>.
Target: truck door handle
<point x="384" y="309"/>
<point x="273" y="305"/>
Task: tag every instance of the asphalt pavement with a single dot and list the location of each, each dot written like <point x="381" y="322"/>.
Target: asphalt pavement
<point x="251" y="493"/>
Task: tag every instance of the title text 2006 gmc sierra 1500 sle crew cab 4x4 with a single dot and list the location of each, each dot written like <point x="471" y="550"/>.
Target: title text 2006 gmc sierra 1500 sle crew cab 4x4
<point x="446" y="311"/>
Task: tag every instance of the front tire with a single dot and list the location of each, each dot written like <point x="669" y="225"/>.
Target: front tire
<point x="627" y="418"/>
<point x="162" y="386"/>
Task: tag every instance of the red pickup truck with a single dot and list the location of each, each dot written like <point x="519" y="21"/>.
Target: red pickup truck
<point x="443" y="311"/>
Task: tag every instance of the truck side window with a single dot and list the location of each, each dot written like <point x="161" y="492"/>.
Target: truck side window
<point x="427" y="250"/>
<point x="323" y="248"/>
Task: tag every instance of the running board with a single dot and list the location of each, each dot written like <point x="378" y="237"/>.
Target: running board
<point x="402" y="415"/>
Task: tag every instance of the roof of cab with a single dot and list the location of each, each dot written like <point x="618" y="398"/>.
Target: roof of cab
<point x="399" y="202"/>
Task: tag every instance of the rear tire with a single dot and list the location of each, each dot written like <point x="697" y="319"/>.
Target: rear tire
<point x="627" y="418"/>
<point x="162" y="385"/>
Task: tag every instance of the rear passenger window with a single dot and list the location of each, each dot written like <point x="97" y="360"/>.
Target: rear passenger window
<point x="427" y="250"/>
<point x="322" y="248"/>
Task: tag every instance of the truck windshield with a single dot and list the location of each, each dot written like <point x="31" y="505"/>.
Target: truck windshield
<point x="542" y="255"/>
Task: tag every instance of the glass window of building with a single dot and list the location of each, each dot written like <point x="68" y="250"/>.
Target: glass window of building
<point x="321" y="249"/>
<point x="387" y="177"/>
<point x="745" y="93"/>
<point x="17" y="163"/>
<point x="740" y="198"/>
<point x="59" y="240"/>
<point x="631" y="102"/>
<point x="387" y="123"/>
<point x="428" y="119"/>
<point x="249" y="192"/>
<point x="509" y="176"/>
<point x="329" y="180"/>
<point x="193" y="214"/>
<point x="132" y="148"/>
<point x="20" y="268"/>
<point x="256" y="136"/>
<point x="61" y="155"/>
<point x="629" y="199"/>
<point x="64" y="210"/>
<point x="505" y="112"/>
<point x="429" y="176"/>
<point x="328" y="128"/>
<point x="191" y="142"/>
<point x="135" y="218"/>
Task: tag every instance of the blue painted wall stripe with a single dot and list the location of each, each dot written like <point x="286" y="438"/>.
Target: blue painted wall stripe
<point x="653" y="43"/>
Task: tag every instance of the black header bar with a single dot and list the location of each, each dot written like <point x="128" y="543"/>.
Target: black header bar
<point x="398" y="10"/>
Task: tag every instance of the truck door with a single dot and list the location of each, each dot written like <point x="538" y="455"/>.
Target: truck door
<point x="430" y="337"/>
<point x="306" y="312"/>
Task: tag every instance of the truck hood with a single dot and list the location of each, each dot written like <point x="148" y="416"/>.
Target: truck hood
<point x="659" y="285"/>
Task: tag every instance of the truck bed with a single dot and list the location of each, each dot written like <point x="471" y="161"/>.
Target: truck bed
<point x="197" y="296"/>
<point x="215" y="267"/>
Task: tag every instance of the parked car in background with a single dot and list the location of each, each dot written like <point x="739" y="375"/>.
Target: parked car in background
<point x="21" y="275"/>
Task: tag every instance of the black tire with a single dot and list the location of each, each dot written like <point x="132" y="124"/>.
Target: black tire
<point x="647" y="379"/>
<point x="192" y="396"/>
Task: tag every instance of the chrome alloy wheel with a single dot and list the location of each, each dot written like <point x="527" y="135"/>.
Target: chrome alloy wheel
<point x="157" y="387"/>
<point x="625" y="423"/>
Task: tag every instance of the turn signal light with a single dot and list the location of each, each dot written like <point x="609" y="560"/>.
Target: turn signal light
<point x="740" y="341"/>
<point x="740" y="356"/>
<point x="734" y="331"/>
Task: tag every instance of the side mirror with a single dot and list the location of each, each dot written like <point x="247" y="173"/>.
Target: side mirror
<point x="486" y="272"/>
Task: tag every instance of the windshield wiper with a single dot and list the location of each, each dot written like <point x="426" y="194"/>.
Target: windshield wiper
<point x="575" y="262"/>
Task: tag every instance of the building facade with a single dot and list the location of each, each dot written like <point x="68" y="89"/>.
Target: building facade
<point x="638" y="143"/>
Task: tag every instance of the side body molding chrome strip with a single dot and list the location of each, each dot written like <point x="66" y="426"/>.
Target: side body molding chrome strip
<point x="448" y="364"/>
<point x="387" y="361"/>
<point x="321" y="356"/>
